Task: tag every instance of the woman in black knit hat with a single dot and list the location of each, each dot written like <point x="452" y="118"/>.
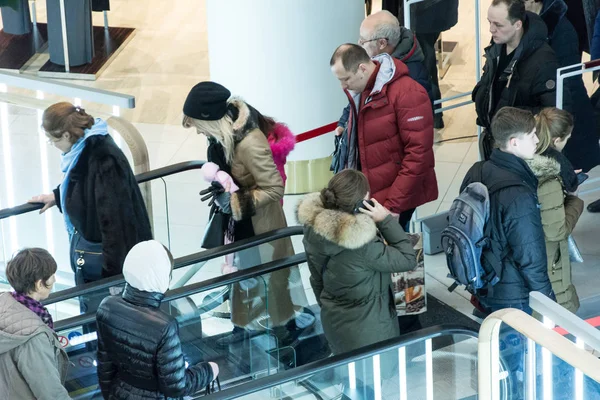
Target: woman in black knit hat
<point x="238" y="144"/>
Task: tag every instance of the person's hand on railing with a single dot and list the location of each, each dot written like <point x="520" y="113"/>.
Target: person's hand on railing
<point x="47" y="199"/>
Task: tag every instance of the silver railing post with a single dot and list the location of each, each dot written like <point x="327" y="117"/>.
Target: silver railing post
<point x="63" y="24"/>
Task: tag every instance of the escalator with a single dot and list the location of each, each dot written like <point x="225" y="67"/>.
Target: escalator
<point x="438" y="362"/>
<point x="197" y="298"/>
<point x="205" y="335"/>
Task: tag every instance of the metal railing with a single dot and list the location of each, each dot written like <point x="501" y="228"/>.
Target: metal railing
<point x="67" y="90"/>
<point x="141" y="178"/>
<point x="342" y="360"/>
<point x="407" y="4"/>
<point x="179" y="262"/>
<point x="191" y="289"/>
<point x="536" y="333"/>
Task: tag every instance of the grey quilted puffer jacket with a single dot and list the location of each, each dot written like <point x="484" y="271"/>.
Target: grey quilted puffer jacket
<point x="32" y="363"/>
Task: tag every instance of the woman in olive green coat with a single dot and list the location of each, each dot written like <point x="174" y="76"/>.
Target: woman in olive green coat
<point x="350" y="264"/>
<point x="559" y="207"/>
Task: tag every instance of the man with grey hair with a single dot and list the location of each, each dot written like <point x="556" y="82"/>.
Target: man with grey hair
<point x="381" y="33"/>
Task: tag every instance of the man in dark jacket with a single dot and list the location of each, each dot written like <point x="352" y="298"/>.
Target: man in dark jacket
<point x="582" y="149"/>
<point x="516" y="227"/>
<point x="520" y="67"/>
<point x="390" y="129"/>
<point x="381" y="33"/>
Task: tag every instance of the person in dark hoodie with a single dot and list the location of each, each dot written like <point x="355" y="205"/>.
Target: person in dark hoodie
<point x="520" y="67"/>
<point x="381" y="33"/>
<point x="582" y="149"/>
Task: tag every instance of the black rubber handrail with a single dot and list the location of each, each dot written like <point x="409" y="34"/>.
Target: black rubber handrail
<point x="342" y="359"/>
<point x="194" y="288"/>
<point x="179" y="262"/>
<point x="141" y="178"/>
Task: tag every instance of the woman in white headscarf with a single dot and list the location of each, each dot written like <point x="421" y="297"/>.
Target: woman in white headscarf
<point x="139" y="350"/>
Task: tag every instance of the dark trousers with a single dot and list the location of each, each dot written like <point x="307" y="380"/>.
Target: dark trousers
<point x="405" y="217"/>
<point x="427" y="43"/>
<point x="392" y="6"/>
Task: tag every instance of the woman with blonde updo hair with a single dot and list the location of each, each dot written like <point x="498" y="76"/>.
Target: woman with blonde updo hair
<point x="101" y="203"/>
<point x="350" y="264"/>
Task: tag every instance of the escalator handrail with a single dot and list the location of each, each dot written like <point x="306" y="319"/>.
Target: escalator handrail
<point x="342" y="359"/>
<point x="141" y="178"/>
<point x="194" y="288"/>
<point x="179" y="262"/>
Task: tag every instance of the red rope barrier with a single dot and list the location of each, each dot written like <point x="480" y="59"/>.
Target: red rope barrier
<point x="595" y="322"/>
<point x="316" y="132"/>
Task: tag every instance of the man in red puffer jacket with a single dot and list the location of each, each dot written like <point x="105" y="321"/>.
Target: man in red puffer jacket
<point x="390" y="129"/>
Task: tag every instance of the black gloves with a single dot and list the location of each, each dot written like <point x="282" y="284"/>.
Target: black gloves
<point x="219" y="198"/>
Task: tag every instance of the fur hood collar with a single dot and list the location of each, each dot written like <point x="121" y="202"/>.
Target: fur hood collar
<point x="244" y="116"/>
<point x="544" y="167"/>
<point x="346" y="230"/>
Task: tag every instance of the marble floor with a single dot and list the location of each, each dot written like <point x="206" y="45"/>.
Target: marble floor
<point x="158" y="67"/>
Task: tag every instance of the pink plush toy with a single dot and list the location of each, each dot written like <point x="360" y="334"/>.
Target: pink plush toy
<point x="212" y="173"/>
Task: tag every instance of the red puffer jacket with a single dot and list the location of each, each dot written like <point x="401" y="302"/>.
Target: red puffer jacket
<point x="395" y="138"/>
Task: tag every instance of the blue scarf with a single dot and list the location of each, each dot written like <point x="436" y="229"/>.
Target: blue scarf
<point x="68" y="162"/>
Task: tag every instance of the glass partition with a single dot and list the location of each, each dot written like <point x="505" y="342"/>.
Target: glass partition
<point x="248" y="339"/>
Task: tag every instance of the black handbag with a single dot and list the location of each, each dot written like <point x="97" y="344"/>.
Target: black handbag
<point x="214" y="234"/>
<point x="336" y="156"/>
<point x="86" y="259"/>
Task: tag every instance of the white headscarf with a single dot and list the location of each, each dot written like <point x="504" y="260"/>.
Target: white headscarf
<point x="147" y="267"/>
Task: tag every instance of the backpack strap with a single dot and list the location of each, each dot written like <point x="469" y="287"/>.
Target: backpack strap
<point x="477" y="171"/>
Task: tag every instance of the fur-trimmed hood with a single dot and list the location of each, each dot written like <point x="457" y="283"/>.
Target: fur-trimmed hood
<point x="544" y="167"/>
<point x="345" y="230"/>
<point x="245" y="118"/>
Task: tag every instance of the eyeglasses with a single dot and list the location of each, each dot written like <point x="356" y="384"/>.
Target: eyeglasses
<point x="363" y="41"/>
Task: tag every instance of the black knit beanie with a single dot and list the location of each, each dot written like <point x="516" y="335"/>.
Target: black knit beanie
<point x="207" y="101"/>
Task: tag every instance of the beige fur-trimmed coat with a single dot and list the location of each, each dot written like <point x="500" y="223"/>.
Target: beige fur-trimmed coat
<point x="350" y="272"/>
<point x="259" y="198"/>
<point x="559" y="216"/>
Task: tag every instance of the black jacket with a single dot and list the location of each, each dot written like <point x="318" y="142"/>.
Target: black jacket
<point x="516" y="230"/>
<point x="582" y="149"/>
<point x="104" y="202"/>
<point x="530" y="76"/>
<point x="433" y="16"/>
<point x="139" y="350"/>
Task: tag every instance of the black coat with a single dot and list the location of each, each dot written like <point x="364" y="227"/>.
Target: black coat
<point x="104" y="202"/>
<point x="530" y="76"/>
<point x="516" y="230"/>
<point x="139" y="350"/>
<point x="433" y="16"/>
<point x="582" y="149"/>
